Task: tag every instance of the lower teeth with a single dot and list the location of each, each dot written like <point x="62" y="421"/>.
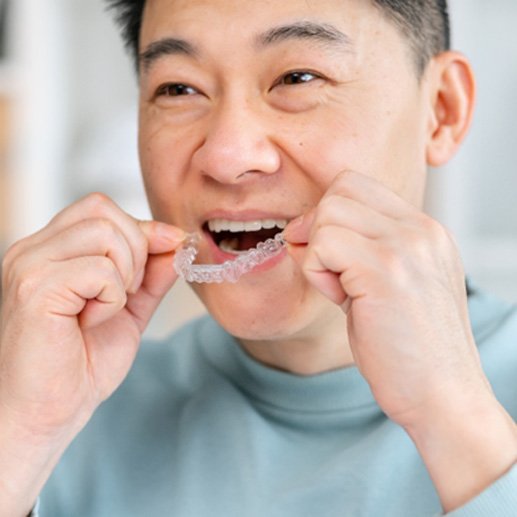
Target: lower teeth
<point x="230" y="246"/>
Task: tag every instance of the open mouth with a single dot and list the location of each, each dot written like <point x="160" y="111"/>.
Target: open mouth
<point x="239" y="236"/>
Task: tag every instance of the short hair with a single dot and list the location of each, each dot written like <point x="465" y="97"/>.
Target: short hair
<point x="425" y="23"/>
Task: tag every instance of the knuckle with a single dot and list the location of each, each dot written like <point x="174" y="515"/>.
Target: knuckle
<point x="106" y="268"/>
<point x="122" y="299"/>
<point x="26" y="286"/>
<point x="7" y="260"/>
<point x="394" y="266"/>
<point x="345" y="176"/>
<point x="142" y="243"/>
<point x="14" y="270"/>
<point x="428" y="235"/>
<point x="12" y="253"/>
<point x="104" y="228"/>
<point x="97" y="270"/>
<point x="97" y="198"/>
<point x="98" y="203"/>
<point x="415" y="239"/>
<point x="101" y="271"/>
<point x="391" y="261"/>
<point x="428" y="224"/>
<point x="415" y="248"/>
<point x="113" y="243"/>
<point x="328" y="203"/>
<point x="325" y="235"/>
<point x="344" y="181"/>
<point x="329" y="208"/>
<point x="439" y="233"/>
<point x="101" y="231"/>
<point x="321" y="240"/>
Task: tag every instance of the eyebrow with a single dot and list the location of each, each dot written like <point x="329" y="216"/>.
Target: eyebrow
<point x="320" y="32"/>
<point x="304" y="30"/>
<point x="165" y="47"/>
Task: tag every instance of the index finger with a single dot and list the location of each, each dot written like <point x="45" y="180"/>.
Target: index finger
<point x="142" y="237"/>
<point x="161" y="237"/>
<point x="372" y="193"/>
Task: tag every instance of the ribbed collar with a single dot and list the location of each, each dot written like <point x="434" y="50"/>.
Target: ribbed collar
<point x="338" y="390"/>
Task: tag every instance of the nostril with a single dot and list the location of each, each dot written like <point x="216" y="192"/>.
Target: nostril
<point x="247" y="173"/>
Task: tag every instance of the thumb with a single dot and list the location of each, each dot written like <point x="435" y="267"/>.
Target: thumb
<point x="158" y="276"/>
<point x="158" y="279"/>
<point x="298" y="230"/>
<point x="297" y="234"/>
<point x="325" y="281"/>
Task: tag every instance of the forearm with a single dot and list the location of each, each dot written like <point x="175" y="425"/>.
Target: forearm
<point x="466" y="451"/>
<point x="26" y="462"/>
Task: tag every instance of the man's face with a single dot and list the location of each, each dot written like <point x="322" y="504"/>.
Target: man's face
<point x="249" y="109"/>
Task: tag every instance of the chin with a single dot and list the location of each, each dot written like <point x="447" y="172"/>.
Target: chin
<point x="268" y="306"/>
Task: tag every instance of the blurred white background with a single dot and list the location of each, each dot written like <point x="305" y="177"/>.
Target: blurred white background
<point x="68" y="126"/>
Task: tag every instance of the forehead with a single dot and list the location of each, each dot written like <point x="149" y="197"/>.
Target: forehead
<point x="231" y="20"/>
<point x="227" y="33"/>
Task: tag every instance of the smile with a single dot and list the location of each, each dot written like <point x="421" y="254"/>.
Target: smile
<point x="236" y="237"/>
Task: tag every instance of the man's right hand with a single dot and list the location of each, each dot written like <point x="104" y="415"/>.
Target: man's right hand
<point x="77" y="297"/>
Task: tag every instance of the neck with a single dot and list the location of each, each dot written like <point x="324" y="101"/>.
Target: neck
<point x="325" y="348"/>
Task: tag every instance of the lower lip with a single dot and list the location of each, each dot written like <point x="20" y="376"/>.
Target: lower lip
<point x="219" y="256"/>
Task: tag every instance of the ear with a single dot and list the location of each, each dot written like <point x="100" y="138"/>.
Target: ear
<point x="453" y="92"/>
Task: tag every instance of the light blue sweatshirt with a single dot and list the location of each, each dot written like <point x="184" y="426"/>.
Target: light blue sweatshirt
<point x="200" y="429"/>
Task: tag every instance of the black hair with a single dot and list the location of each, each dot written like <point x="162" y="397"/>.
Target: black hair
<point x="128" y="15"/>
<point x="425" y="23"/>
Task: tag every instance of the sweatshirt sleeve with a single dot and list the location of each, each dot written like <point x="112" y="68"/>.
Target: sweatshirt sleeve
<point x="499" y="499"/>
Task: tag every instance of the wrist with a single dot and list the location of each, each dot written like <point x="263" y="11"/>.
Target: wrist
<point x="465" y="446"/>
<point x="28" y="456"/>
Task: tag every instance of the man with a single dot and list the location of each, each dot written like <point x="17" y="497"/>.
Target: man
<point x="342" y="377"/>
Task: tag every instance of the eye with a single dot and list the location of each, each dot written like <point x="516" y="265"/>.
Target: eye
<point x="298" y="77"/>
<point x="299" y="90"/>
<point x="175" y="90"/>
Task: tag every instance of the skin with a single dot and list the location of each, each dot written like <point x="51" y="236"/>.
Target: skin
<point x="238" y="122"/>
<point x="344" y="156"/>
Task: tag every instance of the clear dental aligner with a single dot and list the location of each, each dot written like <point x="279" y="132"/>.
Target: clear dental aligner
<point x="229" y="271"/>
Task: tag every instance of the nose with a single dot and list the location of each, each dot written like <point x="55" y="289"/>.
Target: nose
<point x="236" y="144"/>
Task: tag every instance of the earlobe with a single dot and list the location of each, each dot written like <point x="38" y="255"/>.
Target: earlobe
<point x="453" y="92"/>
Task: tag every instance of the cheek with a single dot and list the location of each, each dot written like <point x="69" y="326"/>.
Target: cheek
<point x="402" y="154"/>
<point x="164" y="143"/>
<point x="388" y="145"/>
<point x="164" y="164"/>
<point x="161" y="157"/>
<point x="324" y="146"/>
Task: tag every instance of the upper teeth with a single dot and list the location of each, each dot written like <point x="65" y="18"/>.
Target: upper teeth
<point x="223" y="225"/>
